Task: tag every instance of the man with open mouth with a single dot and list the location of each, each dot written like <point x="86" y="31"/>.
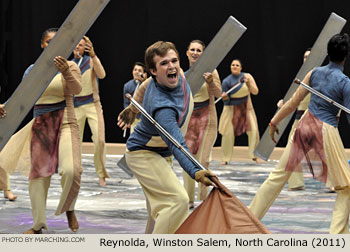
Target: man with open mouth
<point x="168" y="99"/>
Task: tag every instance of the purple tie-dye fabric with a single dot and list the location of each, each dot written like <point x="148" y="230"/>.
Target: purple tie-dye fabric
<point x="44" y="144"/>
<point x="240" y="120"/>
<point x="307" y="148"/>
<point x="196" y="128"/>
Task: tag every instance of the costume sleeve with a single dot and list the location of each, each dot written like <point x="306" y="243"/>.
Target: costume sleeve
<point x="346" y="95"/>
<point x="293" y="102"/>
<point x="253" y="88"/>
<point x="215" y="87"/>
<point x="72" y="78"/>
<point x="166" y="117"/>
<point x="139" y="93"/>
<point x="225" y="85"/>
<point x="27" y="71"/>
<point x="98" y="68"/>
<point x="125" y="91"/>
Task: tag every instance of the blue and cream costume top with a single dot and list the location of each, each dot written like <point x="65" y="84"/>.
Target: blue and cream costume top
<point x="201" y="98"/>
<point x="238" y="95"/>
<point x="86" y="95"/>
<point x="172" y="109"/>
<point x="130" y="88"/>
<point x="333" y="83"/>
<point x="52" y="99"/>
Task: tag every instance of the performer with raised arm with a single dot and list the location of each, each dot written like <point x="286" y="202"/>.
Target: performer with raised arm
<point x="139" y="74"/>
<point x="168" y="100"/>
<point x="50" y="143"/>
<point x="316" y="138"/>
<point x="202" y="128"/>
<point x="87" y="104"/>
<point x="238" y="115"/>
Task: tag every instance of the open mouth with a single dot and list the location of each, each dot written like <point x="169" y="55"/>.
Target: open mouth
<point x="172" y="75"/>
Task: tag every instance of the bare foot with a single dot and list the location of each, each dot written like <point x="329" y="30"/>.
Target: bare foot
<point x="32" y="231"/>
<point x="9" y="195"/>
<point x="103" y="182"/>
<point x="331" y="190"/>
<point x="299" y="188"/>
<point x="72" y="221"/>
<point x="258" y="160"/>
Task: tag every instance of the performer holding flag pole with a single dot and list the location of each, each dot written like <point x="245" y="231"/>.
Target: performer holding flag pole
<point x="164" y="132"/>
<point x="316" y="139"/>
<point x="297" y="81"/>
<point x="234" y="87"/>
<point x="227" y="224"/>
<point x="168" y="99"/>
<point x="238" y="116"/>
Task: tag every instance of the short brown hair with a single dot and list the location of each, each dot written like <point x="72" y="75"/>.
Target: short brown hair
<point x="198" y="42"/>
<point x="159" y="48"/>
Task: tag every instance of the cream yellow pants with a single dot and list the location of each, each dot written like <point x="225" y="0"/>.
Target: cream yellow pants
<point x="340" y="218"/>
<point x="189" y="185"/>
<point x="203" y="156"/>
<point x="228" y="140"/>
<point x="168" y="200"/>
<point x="133" y="125"/>
<point x="68" y="169"/>
<point x="95" y="120"/>
<point x="273" y="185"/>
<point x="297" y="178"/>
<point x="4" y="180"/>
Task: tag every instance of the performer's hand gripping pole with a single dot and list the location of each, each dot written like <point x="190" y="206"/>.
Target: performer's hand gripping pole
<point x="229" y="91"/>
<point x="297" y="81"/>
<point x="164" y="132"/>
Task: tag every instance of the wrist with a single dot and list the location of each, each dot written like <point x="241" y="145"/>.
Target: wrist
<point x="197" y="175"/>
<point x="92" y="54"/>
<point x="133" y="109"/>
<point x="64" y="70"/>
<point x="272" y="124"/>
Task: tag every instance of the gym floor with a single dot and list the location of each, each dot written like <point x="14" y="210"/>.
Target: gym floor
<point x="119" y="207"/>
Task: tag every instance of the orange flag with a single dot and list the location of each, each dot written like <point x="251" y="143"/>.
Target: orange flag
<point x="222" y="213"/>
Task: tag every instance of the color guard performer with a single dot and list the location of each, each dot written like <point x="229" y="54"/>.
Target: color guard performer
<point x="87" y="104"/>
<point x="316" y="141"/>
<point x="139" y="74"/>
<point x="296" y="180"/>
<point x="202" y="128"/>
<point x="168" y="100"/>
<point x="50" y="143"/>
<point x="238" y="115"/>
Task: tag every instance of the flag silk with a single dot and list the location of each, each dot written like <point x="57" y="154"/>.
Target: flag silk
<point x="222" y="213"/>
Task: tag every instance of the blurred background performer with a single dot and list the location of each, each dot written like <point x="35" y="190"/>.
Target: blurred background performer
<point x="202" y="128"/>
<point x="139" y="74"/>
<point x="238" y="115"/>
<point x="87" y="104"/>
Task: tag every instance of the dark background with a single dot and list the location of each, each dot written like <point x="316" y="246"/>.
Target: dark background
<point x="271" y="49"/>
